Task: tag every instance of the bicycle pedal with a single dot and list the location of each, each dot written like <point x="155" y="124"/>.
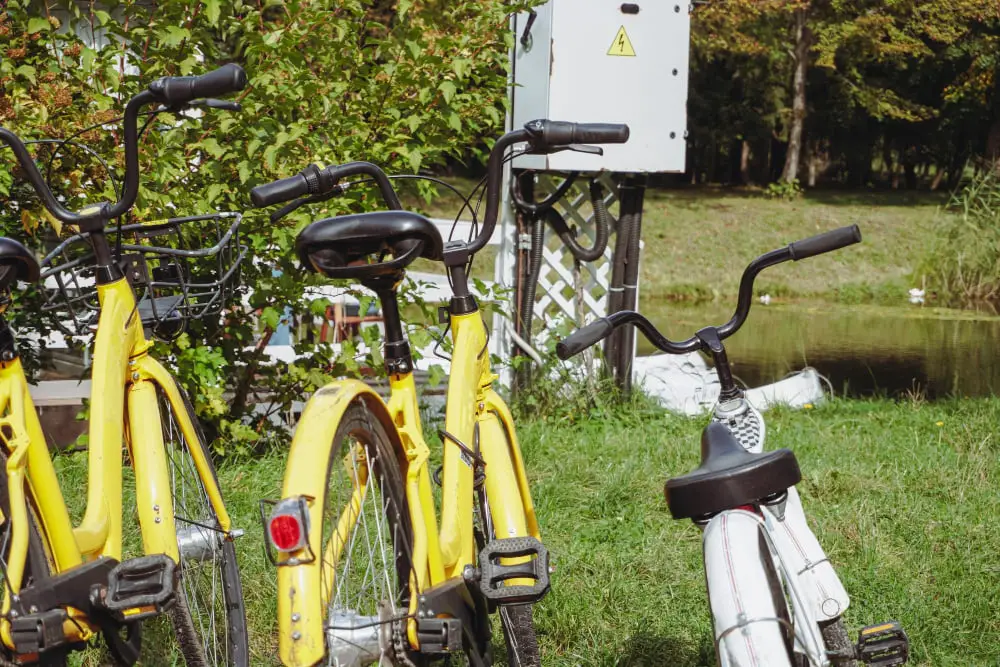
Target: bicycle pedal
<point x="493" y="575"/>
<point x="40" y="633"/>
<point x="884" y="644"/>
<point x="141" y="587"/>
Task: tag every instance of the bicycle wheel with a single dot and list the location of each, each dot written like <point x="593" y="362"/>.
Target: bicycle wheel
<point x="517" y="621"/>
<point x="366" y="546"/>
<point x="743" y="583"/>
<point x="836" y="639"/>
<point x="209" y="615"/>
<point x="38" y="565"/>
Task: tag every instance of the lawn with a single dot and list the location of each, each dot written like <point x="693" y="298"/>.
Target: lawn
<point x="702" y="238"/>
<point x="902" y="496"/>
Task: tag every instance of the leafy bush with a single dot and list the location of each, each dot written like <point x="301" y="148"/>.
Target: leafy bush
<point x="963" y="265"/>
<point x="784" y="190"/>
<point x="406" y="85"/>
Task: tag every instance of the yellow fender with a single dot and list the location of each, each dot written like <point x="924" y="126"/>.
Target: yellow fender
<point x="301" y="640"/>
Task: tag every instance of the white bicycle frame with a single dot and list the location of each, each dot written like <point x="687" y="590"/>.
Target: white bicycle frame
<point x="768" y="578"/>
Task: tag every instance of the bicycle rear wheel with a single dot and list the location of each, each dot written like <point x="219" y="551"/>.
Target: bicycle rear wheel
<point x="209" y="615"/>
<point x="517" y="621"/>
<point x="744" y="584"/>
<point x="366" y="546"/>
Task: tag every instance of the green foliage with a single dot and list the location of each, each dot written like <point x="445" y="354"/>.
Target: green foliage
<point x="913" y="83"/>
<point x="406" y="87"/>
<point x="784" y="190"/>
<point x="963" y="265"/>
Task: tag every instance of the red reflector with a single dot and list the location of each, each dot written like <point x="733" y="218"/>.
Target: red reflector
<point x="286" y="532"/>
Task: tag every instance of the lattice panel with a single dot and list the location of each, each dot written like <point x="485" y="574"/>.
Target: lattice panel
<point x="563" y="293"/>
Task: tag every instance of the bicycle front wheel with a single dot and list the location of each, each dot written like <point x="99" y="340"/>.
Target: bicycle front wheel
<point x="209" y="615"/>
<point x="366" y="546"/>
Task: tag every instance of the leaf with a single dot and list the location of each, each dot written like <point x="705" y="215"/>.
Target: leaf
<point x="212" y="147"/>
<point x="415" y="157"/>
<point x="270" y="317"/>
<point x="447" y="89"/>
<point x="212" y="11"/>
<point x="38" y="24"/>
<point x="26" y="71"/>
<point x="454" y="121"/>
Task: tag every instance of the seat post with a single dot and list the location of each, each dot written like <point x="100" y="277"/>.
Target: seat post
<point x="398" y="359"/>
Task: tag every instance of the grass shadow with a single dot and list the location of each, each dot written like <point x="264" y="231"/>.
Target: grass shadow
<point x="647" y="650"/>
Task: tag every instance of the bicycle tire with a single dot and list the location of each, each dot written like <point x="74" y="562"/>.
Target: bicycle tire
<point x="194" y="515"/>
<point x="740" y="585"/>
<point x="517" y="621"/>
<point x="39" y="564"/>
<point x="362" y="433"/>
<point x="835" y="638"/>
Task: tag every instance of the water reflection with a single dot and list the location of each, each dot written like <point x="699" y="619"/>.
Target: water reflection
<point x="863" y="350"/>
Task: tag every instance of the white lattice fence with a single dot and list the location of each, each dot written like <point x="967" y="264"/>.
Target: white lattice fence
<point x="567" y="289"/>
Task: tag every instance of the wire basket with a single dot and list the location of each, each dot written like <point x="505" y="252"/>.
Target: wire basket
<point x="176" y="278"/>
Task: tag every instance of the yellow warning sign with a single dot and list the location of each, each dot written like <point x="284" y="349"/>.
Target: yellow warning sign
<point x="622" y="46"/>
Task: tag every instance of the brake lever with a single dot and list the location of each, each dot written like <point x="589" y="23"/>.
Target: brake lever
<point x="576" y="148"/>
<point x="585" y="148"/>
<point x="337" y="190"/>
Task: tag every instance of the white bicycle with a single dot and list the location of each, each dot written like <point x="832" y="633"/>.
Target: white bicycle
<point x="776" y="600"/>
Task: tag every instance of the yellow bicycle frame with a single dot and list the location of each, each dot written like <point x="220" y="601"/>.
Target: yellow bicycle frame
<point x="123" y="409"/>
<point x="438" y="555"/>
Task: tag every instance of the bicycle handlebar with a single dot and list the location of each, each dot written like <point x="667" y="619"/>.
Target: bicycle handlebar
<point x="602" y="328"/>
<point x="314" y="180"/>
<point x="561" y="133"/>
<point x="541" y="135"/>
<point x="826" y="242"/>
<point x="227" y="78"/>
<point x="176" y="90"/>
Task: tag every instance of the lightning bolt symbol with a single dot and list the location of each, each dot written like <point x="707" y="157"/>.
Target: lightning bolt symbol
<point x="621" y="43"/>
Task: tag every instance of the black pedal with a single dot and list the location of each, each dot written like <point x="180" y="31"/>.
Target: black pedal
<point x="494" y="575"/>
<point x="884" y="644"/>
<point x="36" y="634"/>
<point x="439" y="635"/>
<point x="141" y="587"/>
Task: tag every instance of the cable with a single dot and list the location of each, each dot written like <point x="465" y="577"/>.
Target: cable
<point x="75" y="144"/>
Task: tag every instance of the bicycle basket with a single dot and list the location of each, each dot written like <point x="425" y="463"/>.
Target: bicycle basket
<point x="176" y="278"/>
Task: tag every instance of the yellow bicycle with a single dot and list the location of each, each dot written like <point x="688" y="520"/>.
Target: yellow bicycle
<point x="65" y="584"/>
<point x="364" y="573"/>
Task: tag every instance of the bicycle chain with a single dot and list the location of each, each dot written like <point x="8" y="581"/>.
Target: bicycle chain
<point x="401" y="645"/>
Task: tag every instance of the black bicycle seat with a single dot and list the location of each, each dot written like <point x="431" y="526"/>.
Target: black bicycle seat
<point x="354" y="246"/>
<point x="729" y="476"/>
<point x="16" y="263"/>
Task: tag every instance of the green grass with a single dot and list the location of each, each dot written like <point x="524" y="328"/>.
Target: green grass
<point x="907" y="510"/>
<point x="702" y="239"/>
<point x="698" y="240"/>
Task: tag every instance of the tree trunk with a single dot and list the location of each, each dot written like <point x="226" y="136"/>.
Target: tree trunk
<point x="745" y="162"/>
<point x="802" y="36"/>
<point x="938" y="177"/>
<point x="993" y="143"/>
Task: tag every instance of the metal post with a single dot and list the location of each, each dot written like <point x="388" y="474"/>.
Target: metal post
<point x="620" y="349"/>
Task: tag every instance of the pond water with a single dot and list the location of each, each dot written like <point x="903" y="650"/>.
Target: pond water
<point x="862" y="350"/>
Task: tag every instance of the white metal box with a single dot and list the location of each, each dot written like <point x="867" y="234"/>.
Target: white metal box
<point x="605" y="61"/>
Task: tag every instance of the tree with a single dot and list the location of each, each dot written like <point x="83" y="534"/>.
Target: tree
<point x="328" y="83"/>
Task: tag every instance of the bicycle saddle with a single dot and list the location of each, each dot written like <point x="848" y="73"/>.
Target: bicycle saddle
<point x="16" y="263"/>
<point x="343" y="247"/>
<point x="729" y="476"/>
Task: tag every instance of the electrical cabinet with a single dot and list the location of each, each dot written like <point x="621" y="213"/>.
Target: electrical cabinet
<point x="605" y="61"/>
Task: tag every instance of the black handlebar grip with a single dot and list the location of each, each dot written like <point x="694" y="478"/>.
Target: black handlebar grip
<point x="563" y="133"/>
<point x="600" y="133"/>
<point x="279" y="191"/>
<point x="581" y="339"/>
<point x="180" y="89"/>
<point x="826" y="242"/>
